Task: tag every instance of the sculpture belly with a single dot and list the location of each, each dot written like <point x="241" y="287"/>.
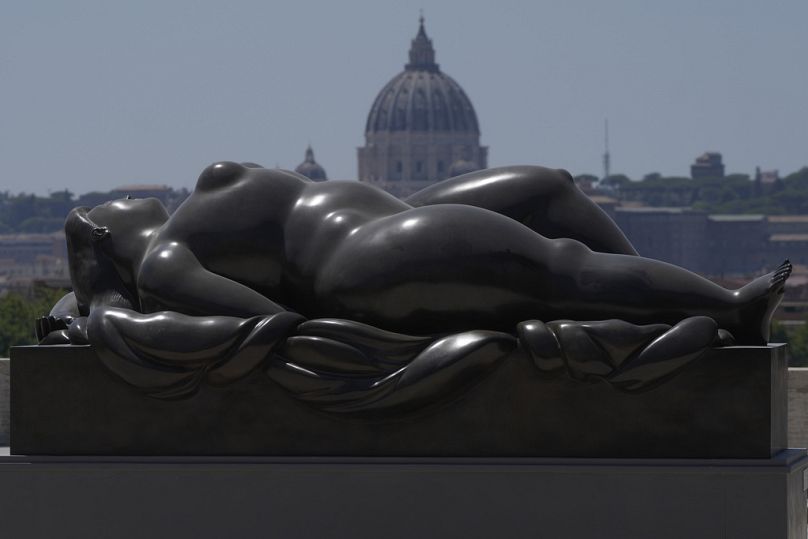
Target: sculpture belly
<point x="451" y="267"/>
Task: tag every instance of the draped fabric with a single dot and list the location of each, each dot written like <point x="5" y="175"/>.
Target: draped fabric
<point x="342" y="366"/>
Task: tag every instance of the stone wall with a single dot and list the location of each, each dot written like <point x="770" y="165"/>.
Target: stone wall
<point x="797" y="405"/>
<point x="5" y="415"/>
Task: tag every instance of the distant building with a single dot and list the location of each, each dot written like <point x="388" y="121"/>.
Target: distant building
<point x="29" y="258"/>
<point x="662" y="194"/>
<point x="788" y="224"/>
<point x="768" y="177"/>
<point x="310" y="168"/>
<point x="606" y="203"/>
<point x="27" y="248"/>
<point x="707" y="165"/>
<point x="793" y="247"/>
<point x="737" y="244"/>
<point x="788" y="238"/>
<point x="713" y="244"/>
<point x="766" y="182"/>
<point x="674" y="235"/>
<point x="422" y="127"/>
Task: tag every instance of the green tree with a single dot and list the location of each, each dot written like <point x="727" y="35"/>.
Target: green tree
<point x="19" y="312"/>
<point x="798" y="347"/>
<point x="797" y="341"/>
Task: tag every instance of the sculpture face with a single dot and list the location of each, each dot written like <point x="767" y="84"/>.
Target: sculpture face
<point x="106" y="243"/>
<point x="130" y="223"/>
<point x="508" y="250"/>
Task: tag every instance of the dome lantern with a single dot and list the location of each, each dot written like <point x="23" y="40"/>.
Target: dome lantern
<point x="422" y="55"/>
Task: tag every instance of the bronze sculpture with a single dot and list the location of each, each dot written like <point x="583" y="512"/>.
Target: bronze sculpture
<point x="394" y="291"/>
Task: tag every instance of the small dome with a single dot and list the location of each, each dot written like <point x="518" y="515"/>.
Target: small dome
<point x="310" y="169"/>
<point x="422" y="97"/>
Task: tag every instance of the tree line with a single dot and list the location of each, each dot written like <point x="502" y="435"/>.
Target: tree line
<point x="27" y="213"/>
<point x="734" y="193"/>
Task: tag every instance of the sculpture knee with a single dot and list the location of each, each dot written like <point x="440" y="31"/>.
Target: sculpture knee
<point x="562" y="182"/>
<point x="570" y="253"/>
<point x="548" y="183"/>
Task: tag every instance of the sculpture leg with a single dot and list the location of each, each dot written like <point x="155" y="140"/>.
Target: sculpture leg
<point x="643" y="290"/>
<point x="453" y="267"/>
<point x="546" y="200"/>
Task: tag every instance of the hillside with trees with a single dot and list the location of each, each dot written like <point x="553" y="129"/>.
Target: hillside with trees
<point x="26" y="213"/>
<point x="735" y="193"/>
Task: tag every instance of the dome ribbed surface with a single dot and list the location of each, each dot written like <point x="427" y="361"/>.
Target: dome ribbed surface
<point x="422" y="97"/>
<point x="420" y="100"/>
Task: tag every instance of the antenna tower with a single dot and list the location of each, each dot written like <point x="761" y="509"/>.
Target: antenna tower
<point x="607" y="159"/>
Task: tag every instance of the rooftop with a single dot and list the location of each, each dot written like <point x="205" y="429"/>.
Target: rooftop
<point x="788" y="218"/>
<point x="736" y="217"/>
<point x="788" y="237"/>
<point x="659" y="209"/>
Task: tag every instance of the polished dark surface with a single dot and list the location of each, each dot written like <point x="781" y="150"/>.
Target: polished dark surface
<point x="729" y="404"/>
<point x="355" y="301"/>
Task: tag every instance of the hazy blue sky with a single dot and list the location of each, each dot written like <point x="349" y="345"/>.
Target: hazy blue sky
<point x="95" y="94"/>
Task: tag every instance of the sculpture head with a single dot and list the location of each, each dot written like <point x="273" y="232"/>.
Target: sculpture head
<point x="126" y="226"/>
<point x="107" y="243"/>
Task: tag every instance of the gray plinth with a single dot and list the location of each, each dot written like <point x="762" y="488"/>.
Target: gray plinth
<point x="731" y="403"/>
<point x="201" y="497"/>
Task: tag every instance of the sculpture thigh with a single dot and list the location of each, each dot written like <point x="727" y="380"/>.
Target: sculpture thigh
<point x="450" y="267"/>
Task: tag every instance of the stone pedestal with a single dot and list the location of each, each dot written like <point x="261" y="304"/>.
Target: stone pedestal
<point x="5" y="415"/>
<point x="473" y="467"/>
<point x="731" y="403"/>
<point x="45" y="497"/>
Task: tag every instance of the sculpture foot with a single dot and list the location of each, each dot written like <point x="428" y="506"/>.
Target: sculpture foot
<point x="761" y="298"/>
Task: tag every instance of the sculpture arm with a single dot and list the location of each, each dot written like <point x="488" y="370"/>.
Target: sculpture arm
<point x="172" y="278"/>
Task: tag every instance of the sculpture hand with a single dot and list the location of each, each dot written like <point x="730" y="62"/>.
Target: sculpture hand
<point x="47" y="324"/>
<point x="52" y="329"/>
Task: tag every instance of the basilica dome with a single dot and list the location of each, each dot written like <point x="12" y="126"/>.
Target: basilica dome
<point x="422" y="97"/>
<point x="420" y="124"/>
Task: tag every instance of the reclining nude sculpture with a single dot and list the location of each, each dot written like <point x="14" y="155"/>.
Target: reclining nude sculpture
<point x="356" y="301"/>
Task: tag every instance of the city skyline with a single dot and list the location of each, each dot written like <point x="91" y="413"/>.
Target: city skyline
<point x="97" y="95"/>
